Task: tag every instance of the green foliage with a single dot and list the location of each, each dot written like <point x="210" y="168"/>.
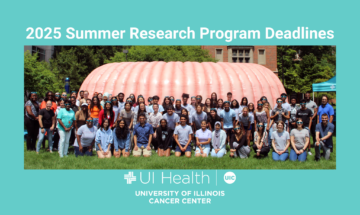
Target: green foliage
<point x="318" y="64"/>
<point x="163" y="53"/>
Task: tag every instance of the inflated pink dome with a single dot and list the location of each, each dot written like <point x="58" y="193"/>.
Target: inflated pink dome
<point x="175" y="78"/>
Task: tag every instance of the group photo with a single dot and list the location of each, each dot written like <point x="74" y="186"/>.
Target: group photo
<point x="179" y="107"/>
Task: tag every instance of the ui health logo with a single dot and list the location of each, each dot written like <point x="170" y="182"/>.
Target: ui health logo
<point x="229" y="177"/>
<point x="130" y="177"/>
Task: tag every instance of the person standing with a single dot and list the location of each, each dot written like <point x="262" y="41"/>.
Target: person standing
<point x="280" y="142"/>
<point x="214" y="117"/>
<point x="32" y="121"/>
<point x="155" y="100"/>
<point x="228" y="117"/>
<point x="324" y="131"/>
<point x="178" y="107"/>
<point x="85" y="136"/>
<point x="306" y="115"/>
<point x="121" y="104"/>
<point x="49" y="96"/>
<point x="285" y="106"/>
<point x="279" y="114"/>
<point x="94" y="110"/>
<point x="172" y="120"/>
<point x="262" y="115"/>
<point x="47" y="124"/>
<point x="66" y="118"/>
<point x="107" y="113"/>
<point x="293" y="111"/>
<point x="244" y="119"/>
<point x="299" y="138"/>
<point x="142" y="137"/>
<point x="154" y="120"/>
<point x="229" y="96"/>
<point x="128" y="115"/>
<point x="326" y="108"/>
<point x="183" y="135"/>
<point x="314" y="108"/>
<point x="74" y="94"/>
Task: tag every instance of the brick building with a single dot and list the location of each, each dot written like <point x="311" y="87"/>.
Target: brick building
<point x="264" y="55"/>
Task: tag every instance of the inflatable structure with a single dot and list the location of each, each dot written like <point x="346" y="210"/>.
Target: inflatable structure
<point x="175" y="78"/>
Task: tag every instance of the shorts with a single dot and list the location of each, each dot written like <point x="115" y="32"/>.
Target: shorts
<point x="188" y="149"/>
<point x="248" y="128"/>
<point x="206" y="150"/>
<point x="143" y="151"/>
<point x="228" y="131"/>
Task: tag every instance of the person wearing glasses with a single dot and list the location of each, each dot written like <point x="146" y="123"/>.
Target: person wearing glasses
<point x="104" y="139"/>
<point x="278" y="115"/>
<point x="306" y="115"/>
<point x="66" y="118"/>
<point x="199" y="100"/>
<point x="299" y="138"/>
<point x="64" y="95"/>
<point x="280" y="142"/>
<point x="238" y="143"/>
<point x="47" y="124"/>
<point x="324" y="131"/>
<point x="32" y="121"/>
<point x="285" y="106"/>
<point x="261" y="144"/>
<point x="57" y="99"/>
<point x="264" y="100"/>
<point x="150" y="101"/>
<point x="262" y="115"/>
<point x="228" y="121"/>
<point x="203" y="139"/>
<point x="85" y="137"/>
<point x="218" y="141"/>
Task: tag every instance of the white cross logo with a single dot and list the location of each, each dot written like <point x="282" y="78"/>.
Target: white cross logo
<point x="332" y="87"/>
<point x="130" y="177"/>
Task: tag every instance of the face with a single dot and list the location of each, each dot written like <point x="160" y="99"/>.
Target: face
<point x="163" y="123"/>
<point x="245" y="112"/>
<point x="279" y="103"/>
<point x="170" y="111"/>
<point x="121" y="97"/>
<point x="81" y="94"/>
<point x="127" y="107"/>
<point x="303" y="105"/>
<point x="217" y="127"/>
<point x="299" y="123"/>
<point x="198" y="109"/>
<point x="99" y="96"/>
<point x="324" y="100"/>
<point x="73" y="94"/>
<point x="156" y="108"/>
<point x="172" y="99"/>
<point x="167" y="101"/>
<point x="212" y="114"/>
<point x="260" y="126"/>
<point x="132" y="96"/>
<point x="283" y="97"/>
<point x="114" y="101"/>
<point x="307" y="95"/>
<point x="48" y="105"/>
<point x="107" y="106"/>
<point x="72" y="101"/>
<point x="263" y="100"/>
<point x="237" y="129"/>
<point x="229" y="97"/>
<point x="57" y="96"/>
<point x="183" y="112"/>
<point x="142" y="119"/>
<point x="234" y="103"/>
<point x="227" y="106"/>
<point x="62" y="104"/>
<point x="106" y="123"/>
<point x="198" y="99"/>
<point x="280" y="127"/>
<point x="293" y="101"/>
<point x="207" y="102"/>
<point x="244" y="101"/>
<point x="33" y="97"/>
<point x="122" y="124"/>
<point x="324" y="119"/>
<point x="155" y="101"/>
<point x="141" y="100"/>
<point x="266" y="105"/>
<point x="183" y="121"/>
<point x="49" y="96"/>
<point x="185" y="99"/>
<point x="220" y="102"/>
<point x="203" y="125"/>
<point x="95" y="100"/>
<point x="86" y="95"/>
<point x="105" y="98"/>
<point x="64" y="95"/>
<point x="67" y="106"/>
<point x="142" y="107"/>
<point x="84" y="108"/>
<point x="178" y="103"/>
<point x="89" y="122"/>
<point x="193" y="100"/>
<point x="260" y="105"/>
<point x="213" y="96"/>
<point x="88" y="101"/>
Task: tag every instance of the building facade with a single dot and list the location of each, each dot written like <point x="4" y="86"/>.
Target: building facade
<point x="264" y="55"/>
<point x="45" y="53"/>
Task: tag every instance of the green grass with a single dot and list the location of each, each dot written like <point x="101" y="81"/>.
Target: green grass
<point x="46" y="160"/>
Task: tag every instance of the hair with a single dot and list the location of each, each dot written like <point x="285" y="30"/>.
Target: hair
<point x="52" y="96"/>
<point x="81" y="91"/>
<point x="102" y="124"/>
<point x="302" y="101"/>
<point x="171" y="107"/>
<point x="183" y="116"/>
<point x="263" y="97"/>
<point x="133" y="99"/>
<point x="283" y="94"/>
<point x="302" y="125"/>
<point x="234" y="106"/>
<point x="67" y="101"/>
<point x="111" y="110"/>
<point x="327" y="98"/>
<point x="203" y="121"/>
<point x="184" y="95"/>
<point x="218" y="106"/>
<point x="140" y="96"/>
<point x="247" y="101"/>
<point x="324" y="114"/>
<point x="165" y="125"/>
<point x="114" y="97"/>
<point x="92" y="103"/>
<point x="127" y="103"/>
<point x="121" y="133"/>
<point x="73" y="97"/>
<point x="206" y="101"/>
<point x="164" y="104"/>
<point x="88" y="99"/>
<point x="140" y="111"/>
<point x="278" y="99"/>
<point x="268" y="104"/>
<point x="292" y="97"/>
<point x="155" y="97"/>
<point x="141" y="114"/>
<point x="213" y="102"/>
<point x="229" y="93"/>
<point x="253" y="107"/>
<point x="150" y="99"/>
<point x="246" y="108"/>
<point x="121" y="94"/>
<point x="172" y="98"/>
<point x="282" y="123"/>
<point x="196" y="106"/>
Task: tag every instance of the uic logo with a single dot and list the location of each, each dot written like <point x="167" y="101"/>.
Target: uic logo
<point x="229" y="177"/>
<point x="130" y="177"/>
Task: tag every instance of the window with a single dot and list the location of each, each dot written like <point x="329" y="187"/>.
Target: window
<point x="40" y="52"/>
<point x="241" y="55"/>
<point x="261" y="57"/>
<point x="219" y="55"/>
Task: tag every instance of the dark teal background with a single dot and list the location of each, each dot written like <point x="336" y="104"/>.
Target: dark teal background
<point x="255" y="191"/>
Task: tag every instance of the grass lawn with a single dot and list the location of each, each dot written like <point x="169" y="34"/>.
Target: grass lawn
<point x="46" y="160"/>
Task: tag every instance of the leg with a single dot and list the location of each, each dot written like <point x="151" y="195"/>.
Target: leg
<point x="100" y="154"/>
<point x="244" y="151"/>
<point x="108" y="154"/>
<point x="66" y="145"/>
<point x="284" y="156"/>
<point x="77" y="151"/>
<point x="293" y="155"/>
<point x="50" y="139"/>
<point x="275" y="156"/>
<point x="62" y="142"/>
<point x="265" y="150"/>
<point x="167" y="152"/>
<point x="41" y="138"/>
<point x="213" y="154"/>
<point x="317" y="152"/>
<point x="197" y="152"/>
<point x="188" y="154"/>
<point x="248" y="137"/>
<point x="221" y="153"/>
<point x="146" y="152"/>
<point x="137" y="153"/>
<point x="302" y="157"/>
<point x="125" y="154"/>
<point x="206" y="152"/>
<point x="327" y="152"/>
<point x="117" y="154"/>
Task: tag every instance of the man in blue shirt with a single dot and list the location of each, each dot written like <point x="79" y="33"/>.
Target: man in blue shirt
<point x="326" y="108"/>
<point x="227" y="119"/>
<point x="324" y="132"/>
<point x="142" y="137"/>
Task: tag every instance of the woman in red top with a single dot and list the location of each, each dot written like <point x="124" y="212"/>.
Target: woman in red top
<point x="49" y="96"/>
<point x="108" y="113"/>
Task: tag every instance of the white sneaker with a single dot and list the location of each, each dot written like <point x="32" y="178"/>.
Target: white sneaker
<point x="172" y="150"/>
<point x="309" y="153"/>
<point x="156" y="151"/>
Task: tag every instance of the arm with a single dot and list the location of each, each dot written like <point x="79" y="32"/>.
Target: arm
<point x="61" y="123"/>
<point x="127" y="143"/>
<point x="188" y="141"/>
<point x="176" y="140"/>
<point x="222" y="122"/>
<point x="307" y="141"/>
<point x="40" y="123"/>
<point x="53" y="123"/>
<point x="268" y="119"/>
<point x="149" y="142"/>
<point x="273" y="145"/>
<point x="209" y="125"/>
<point x="287" y="145"/>
<point x="135" y="143"/>
<point x="326" y="136"/>
<point x="78" y="137"/>
<point x="30" y="113"/>
<point x="292" y="140"/>
<point x="331" y="118"/>
<point x="131" y="123"/>
<point x="222" y="139"/>
<point x="286" y="116"/>
<point x="101" y="116"/>
<point x="234" y="122"/>
<point x="317" y="138"/>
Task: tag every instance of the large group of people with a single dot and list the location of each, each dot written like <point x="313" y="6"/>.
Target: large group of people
<point x="120" y="126"/>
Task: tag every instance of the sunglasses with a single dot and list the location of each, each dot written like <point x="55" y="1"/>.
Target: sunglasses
<point x="132" y="96"/>
<point x="213" y="109"/>
<point x="260" y="104"/>
<point x="235" y="129"/>
<point x="64" y="94"/>
<point x="73" y="91"/>
<point x="128" y="100"/>
<point x="33" y="93"/>
<point x="279" y="101"/>
<point x="198" y="98"/>
<point x="177" y="100"/>
<point x="264" y="99"/>
<point x="89" y="120"/>
<point x="149" y="100"/>
<point x="67" y="104"/>
<point x="173" y="99"/>
<point x="114" y="100"/>
<point x="193" y="97"/>
<point x="283" y="96"/>
<point x="299" y="122"/>
<point x="57" y="95"/>
<point x="260" y="126"/>
<point x="302" y="103"/>
<point x="167" y="97"/>
<point x="108" y="102"/>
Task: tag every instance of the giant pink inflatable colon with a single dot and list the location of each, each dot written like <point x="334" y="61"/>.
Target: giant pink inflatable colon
<point x="174" y="78"/>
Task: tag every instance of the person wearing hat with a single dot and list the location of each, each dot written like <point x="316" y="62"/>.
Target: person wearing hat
<point x="81" y="116"/>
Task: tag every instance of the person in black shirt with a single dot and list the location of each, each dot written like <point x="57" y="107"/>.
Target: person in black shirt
<point x="164" y="138"/>
<point x="238" y="143"/>
<point x="47" y="124"/>
<point x="306" y="115"/>
<point x="214" y="117"/>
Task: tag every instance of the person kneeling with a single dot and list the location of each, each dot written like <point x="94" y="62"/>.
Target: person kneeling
<point x="280" y="143"/>
<point x="261" y="144"/>
<point x="203" y="139"/>
<point x="218" y="140"/>
<point x="121" y="137"/>
<point x="142" y="137"/>
<point x="103" y="140"/>
<point x="238" y="142"/>
<point x="85" y="138"/>
<point x="182" y="135"/>
<point x="324" y="131"/>
<point x="299" y="141"/>
<point x="164" y="138"/>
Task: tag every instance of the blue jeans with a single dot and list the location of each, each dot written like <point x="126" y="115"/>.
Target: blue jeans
<point x="41" y="138"/>
<point x="269" y="137"/>
<point x="301" y="157"/>
<point x="95" y="122"/>
<point x="282" y="157"/>
<point x="85" y="151"/>
<point x="220" y="153"/>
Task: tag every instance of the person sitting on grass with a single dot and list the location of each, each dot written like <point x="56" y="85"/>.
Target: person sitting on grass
<point x="164" y="138"/>
<point x="121" y="138"/>
<point x="203" y="139"/>
<point x="142" y="137"/>
<point x="324" y="131"/>
<point x="183" y="138"/>
<point x="218" y="140"/>
<point x="85" y="136"/>
<point x="261" y="143"/>
<point x="280" y="143"/>
<point x="104" y="139"/>
<point x="238" y="143"/>
<point x="299" y="141"/>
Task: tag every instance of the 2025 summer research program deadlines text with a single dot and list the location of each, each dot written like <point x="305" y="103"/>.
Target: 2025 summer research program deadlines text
<point x="180" y="197"/>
